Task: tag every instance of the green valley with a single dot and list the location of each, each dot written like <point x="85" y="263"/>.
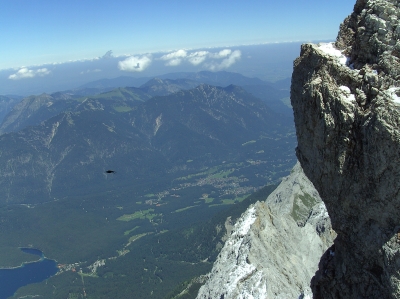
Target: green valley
<point x="181" y="165"/>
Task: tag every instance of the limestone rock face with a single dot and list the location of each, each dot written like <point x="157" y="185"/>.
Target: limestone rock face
<point x="275" y="246"/>
<point x="346" y="99"/>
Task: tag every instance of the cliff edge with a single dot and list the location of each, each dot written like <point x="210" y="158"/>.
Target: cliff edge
<point x="346" y="98"/>
<point x="275" y="246"/>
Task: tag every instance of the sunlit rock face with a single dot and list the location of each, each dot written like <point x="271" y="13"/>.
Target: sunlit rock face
<point x="345" y="98"/>
<point x="275" y="246"/>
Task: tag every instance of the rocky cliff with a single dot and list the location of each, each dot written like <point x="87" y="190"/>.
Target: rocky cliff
<point x="345" y="97"/>
<point x="275" y="246"/>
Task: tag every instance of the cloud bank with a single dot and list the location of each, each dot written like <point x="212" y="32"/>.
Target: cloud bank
<point x="135" y="63"/>
<point x="197" y="58"/>
<point x="231" y="59"/>
<point x="52" y="77"/>
<point x="25" y="73"/>
<point x="210" y="60"/>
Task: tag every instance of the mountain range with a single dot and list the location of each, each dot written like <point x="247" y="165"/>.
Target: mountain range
<point x="34" y="109"/>
<point x="72" y="150"/>
<point x="138" y="171"/>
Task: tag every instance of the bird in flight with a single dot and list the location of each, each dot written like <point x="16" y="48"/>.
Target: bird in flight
<point x="110" y="171"/>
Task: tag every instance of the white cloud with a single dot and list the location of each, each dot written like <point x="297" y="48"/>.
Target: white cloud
<point x="227" y="56"/>
<point x="24" y="73"/>
<point x="221" y="54"/>
<point x="135" y="63"/>
<point x="235" y="56"/>
<point x="174" y="58"/>
<point x="174" y="55"/>
<point x="198" y="57"/>
<point x="227" y="62"/>
<point x="174" y="62"/>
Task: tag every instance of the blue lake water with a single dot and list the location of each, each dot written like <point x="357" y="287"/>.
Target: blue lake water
<point x="12" y="279"/>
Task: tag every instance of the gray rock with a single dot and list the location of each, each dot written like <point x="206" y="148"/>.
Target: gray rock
<point x="347" y="121"/>
<point x="275" y="246"/>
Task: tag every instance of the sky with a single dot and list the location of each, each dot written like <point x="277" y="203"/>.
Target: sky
<point x="35" y="32"/>
<point x="39" y="36"/>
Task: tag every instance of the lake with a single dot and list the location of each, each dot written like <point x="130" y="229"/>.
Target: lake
<point x="12" y="279"/>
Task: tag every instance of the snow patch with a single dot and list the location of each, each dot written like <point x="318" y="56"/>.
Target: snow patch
<point x="243" y="225"/>
<point x="393" y="93"/>
<point x="347" y="95"/>
<point x="233" y="270"/>
<point x="330" y="49"/>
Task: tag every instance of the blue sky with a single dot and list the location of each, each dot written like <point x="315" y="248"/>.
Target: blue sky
<point x="36" y="32"/>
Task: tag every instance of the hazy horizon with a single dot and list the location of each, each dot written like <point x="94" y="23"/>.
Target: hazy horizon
<point x="49" y="47"/>
<point x="269" y="62"/>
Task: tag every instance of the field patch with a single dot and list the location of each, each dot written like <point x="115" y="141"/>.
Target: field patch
<point x="131" y="230"/>
<point x="184" y="209"/>
<point x="122" y="108"/>
<point x="249" y="142"/>
<point x="145" y="214"/>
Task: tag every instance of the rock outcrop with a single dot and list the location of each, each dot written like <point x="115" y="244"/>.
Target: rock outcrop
<point x="346" y="105"/>
<point x="275" y="246"/>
